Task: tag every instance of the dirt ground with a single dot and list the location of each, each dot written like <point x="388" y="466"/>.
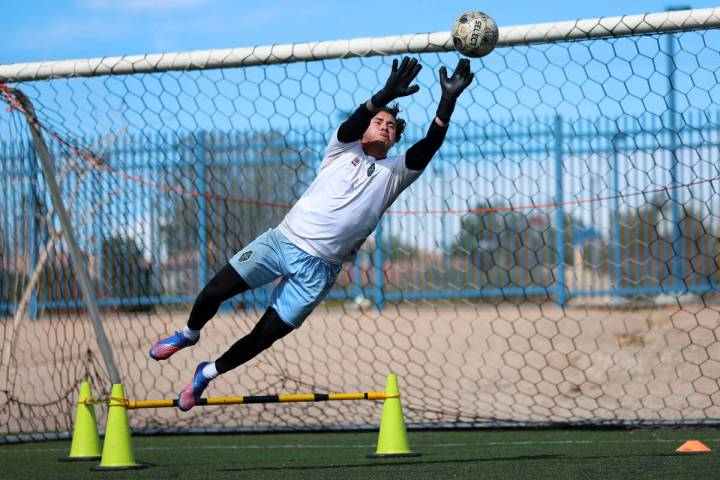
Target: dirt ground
<point x="458" y="362"/>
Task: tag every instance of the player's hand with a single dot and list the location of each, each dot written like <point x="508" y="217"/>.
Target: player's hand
<point x="398" y="83"/>
<point x="462" y="76"/>
<point x="452" y="88"/>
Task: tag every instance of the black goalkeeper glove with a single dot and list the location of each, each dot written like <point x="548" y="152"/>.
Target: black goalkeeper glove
<point x="398" y="83"/>
<point x="452" y="88"/>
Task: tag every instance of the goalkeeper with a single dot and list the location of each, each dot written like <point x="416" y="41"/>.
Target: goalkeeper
<point x="355" y="184"/>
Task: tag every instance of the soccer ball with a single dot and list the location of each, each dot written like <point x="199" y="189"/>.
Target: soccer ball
<point x="474" y="34"/>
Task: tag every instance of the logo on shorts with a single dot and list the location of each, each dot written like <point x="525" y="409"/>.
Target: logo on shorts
<point x="245" y="256"/>
<point x="371" y="169"/>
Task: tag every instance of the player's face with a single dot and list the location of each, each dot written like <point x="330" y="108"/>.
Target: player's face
<point x="380" y="135"/>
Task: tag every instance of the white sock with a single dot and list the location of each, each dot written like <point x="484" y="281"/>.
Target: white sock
<point x="190" y="333"/>
<point x="209" y="370"/>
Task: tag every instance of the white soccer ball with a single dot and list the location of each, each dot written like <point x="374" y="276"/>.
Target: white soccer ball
<point x="474" y="34"/>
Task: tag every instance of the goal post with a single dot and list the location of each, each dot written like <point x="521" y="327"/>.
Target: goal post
<point x="68" y="233"/>
<point x="608" y="27"/>
<point x="557" y="262"/>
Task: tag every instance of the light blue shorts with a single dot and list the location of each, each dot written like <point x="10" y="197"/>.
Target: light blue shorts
<point x="306" y="280"/>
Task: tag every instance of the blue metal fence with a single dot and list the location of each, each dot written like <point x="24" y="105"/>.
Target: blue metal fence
<point x="565" y="220"/>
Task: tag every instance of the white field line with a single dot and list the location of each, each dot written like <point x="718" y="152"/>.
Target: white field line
<point x="416" y="445"/>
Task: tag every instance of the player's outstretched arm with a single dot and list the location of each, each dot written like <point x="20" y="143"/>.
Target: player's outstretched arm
<point x="452" y="88"/>
<point x="397" y="85"/>
<point x="419" y="155"/>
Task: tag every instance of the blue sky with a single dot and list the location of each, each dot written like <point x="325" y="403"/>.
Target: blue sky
<point x="35" y="30"/>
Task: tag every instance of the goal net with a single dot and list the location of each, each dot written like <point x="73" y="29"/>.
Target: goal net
<point x="556" y="262"/>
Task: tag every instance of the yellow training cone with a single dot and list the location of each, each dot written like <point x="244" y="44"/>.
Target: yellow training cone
<point x="85" y="439"/>
<point x="392" y="441"/>
<point x="117" y="449"/>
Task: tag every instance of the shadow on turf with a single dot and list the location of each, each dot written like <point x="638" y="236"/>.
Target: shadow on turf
<point x="388" y="462"/>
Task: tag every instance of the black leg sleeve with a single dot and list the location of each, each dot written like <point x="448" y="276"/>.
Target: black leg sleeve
<point x="269" y="329"/>
<point x="224" y="285"/>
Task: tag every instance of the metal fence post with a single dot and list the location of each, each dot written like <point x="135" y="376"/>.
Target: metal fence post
<point x="201" y="156"/>
<point x="98" y="234"/>
<point x="378" y="261"/>
<point x="616" y="240"/>
<point x="677" y="267"/>
<point x="561" y="296"/>
<point x="34" y="234"/>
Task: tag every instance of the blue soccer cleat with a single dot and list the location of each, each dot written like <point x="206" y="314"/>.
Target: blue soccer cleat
<point x="163" y="349"/>
<point x="190" y="395"/>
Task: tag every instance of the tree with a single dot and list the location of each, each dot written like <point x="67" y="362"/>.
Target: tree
<point x="10" y="285"/>
<point x="249" y="180"/>
<point x="512" y="248"/>
<point x="127" y="276"/>
<point x="649" y="256"/>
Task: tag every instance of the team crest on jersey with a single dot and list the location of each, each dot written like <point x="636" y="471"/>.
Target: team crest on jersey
<point x="371" y="169"/>
<point x="245" y="256"/>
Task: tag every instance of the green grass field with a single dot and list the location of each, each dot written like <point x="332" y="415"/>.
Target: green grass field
<point x="505" y="454"/>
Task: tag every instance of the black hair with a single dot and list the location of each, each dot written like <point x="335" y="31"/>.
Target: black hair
<point x="399" y="122"/>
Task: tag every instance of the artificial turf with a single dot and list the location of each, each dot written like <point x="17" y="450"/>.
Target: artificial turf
<point x="486" y="454"/>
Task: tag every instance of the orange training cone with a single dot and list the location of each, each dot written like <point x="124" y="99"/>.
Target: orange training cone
<point x="693" y="446"/>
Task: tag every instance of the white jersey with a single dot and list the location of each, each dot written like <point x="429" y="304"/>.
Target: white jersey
<point x="344" y="203"/>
